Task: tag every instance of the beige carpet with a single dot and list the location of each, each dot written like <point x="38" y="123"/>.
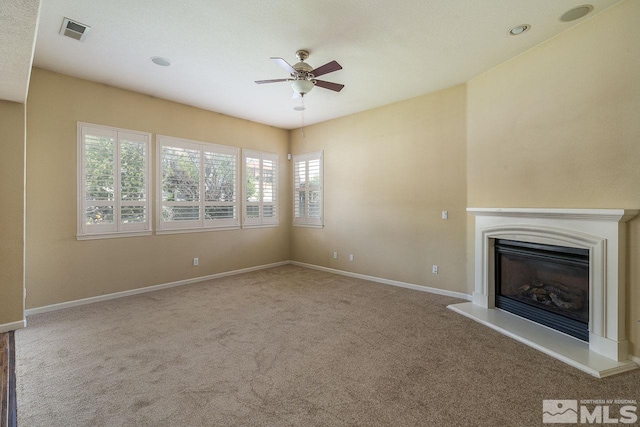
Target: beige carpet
<point x="286" y="347"/>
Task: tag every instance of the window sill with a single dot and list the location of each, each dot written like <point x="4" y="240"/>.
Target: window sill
<point x="113" y="235"/>
<point x="260" y="226"/>
<point x="309" y="225"/>
<point x="196" y="230"/>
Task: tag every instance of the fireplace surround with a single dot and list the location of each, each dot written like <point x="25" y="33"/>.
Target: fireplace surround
<point x="599" y="232"/>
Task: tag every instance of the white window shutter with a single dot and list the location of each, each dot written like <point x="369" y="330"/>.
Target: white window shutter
<point x="113" y="182"/>
<point x="308" y="197"/>
<point x="197" y="184"/>
<point x="135" y="207"/>
<point x="260" y="188"/>
<point x="220" y="186"/>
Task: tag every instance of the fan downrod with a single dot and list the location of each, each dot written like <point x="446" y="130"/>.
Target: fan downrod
<point x="302" y="55"/>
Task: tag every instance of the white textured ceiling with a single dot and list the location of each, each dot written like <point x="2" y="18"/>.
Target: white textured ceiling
<point x="389" y="50"/>
<point x="18" y="23"/>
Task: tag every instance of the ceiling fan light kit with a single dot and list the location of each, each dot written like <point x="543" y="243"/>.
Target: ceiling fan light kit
<point x="302" y="86"/>
<point x="303" y="76"/>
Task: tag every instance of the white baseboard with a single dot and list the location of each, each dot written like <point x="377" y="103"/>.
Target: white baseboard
<point x="6" y="327"/>
<point x="90" y="300"/>
<point x="386" y="281"/>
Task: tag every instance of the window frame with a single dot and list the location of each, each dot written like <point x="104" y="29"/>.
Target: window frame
<point x="202" y="224"/>
<point x="260" y="221"/>
<point x="306" y="220"/>
<point x="118" y="228"/>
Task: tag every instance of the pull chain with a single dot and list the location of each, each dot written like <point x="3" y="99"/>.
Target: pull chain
<point x="302" y="117"/>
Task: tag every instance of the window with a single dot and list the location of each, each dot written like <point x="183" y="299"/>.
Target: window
<point x="260" y="188"/>
<point x="197" y="185"/>
<point x="307" y="189"/>
<point x="113" y="182"/>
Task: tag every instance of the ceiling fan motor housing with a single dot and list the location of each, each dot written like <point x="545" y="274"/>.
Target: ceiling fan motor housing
<point x="302" y="67"/>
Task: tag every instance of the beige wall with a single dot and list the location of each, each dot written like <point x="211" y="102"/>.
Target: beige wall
<point x="60" y="268"/>
<point x="388" y="174"/>
<point x="559" y="127"/>
<point x="12" y="141"/>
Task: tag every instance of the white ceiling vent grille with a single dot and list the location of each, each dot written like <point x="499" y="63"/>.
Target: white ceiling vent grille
<point x="74" y="29"/>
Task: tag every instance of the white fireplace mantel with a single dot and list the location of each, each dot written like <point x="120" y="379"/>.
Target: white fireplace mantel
<point x="603" y="233"/>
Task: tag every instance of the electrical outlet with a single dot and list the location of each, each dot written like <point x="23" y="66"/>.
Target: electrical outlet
<point x="434" y="269"/>
<point x="445" y="214"/>
<point x="350" y="257"/>
<point x="335" y="255"/>
<point x="195" y="262"/>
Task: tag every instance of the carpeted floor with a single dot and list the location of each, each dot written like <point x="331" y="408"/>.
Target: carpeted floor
<point x="286" y="347"/>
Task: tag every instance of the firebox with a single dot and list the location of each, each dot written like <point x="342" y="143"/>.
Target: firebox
<point x="544" y="283"/>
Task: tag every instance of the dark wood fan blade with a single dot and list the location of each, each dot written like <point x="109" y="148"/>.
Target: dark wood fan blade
<point x="284" y="64"/>
<point x="271" y="81"/>
<point x="329" y="85"/>
<point x="327" y="68"/>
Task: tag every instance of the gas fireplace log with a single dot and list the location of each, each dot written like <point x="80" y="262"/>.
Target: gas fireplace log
<point x="564" y="296"/>
<point x="553" y="293"/>
<point x="567" y="305"/>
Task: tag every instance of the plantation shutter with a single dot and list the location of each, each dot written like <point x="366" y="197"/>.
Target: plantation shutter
<point x="113" y="187"/>
<point x="220" y="186"/>
<point x="198" y="185"/>
<point x="180" y="178"/>
<point x="307" y="189"/>
<point x="269" y="188"/>
<point x="98" y="153"/>
<point x="260" y="188"/>
<point x="134" y="181"/>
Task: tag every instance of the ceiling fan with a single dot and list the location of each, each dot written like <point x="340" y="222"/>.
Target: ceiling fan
<point x="303" y="76"/>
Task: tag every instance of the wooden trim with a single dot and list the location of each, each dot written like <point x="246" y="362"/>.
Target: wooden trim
<point x="4" y="379"/>
<point x="8" y="412"/>
<point x="13" y="398"/>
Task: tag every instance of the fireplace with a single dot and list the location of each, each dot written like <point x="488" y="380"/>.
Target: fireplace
<point x="567" y="266"/>
<point x="544" y="283"/>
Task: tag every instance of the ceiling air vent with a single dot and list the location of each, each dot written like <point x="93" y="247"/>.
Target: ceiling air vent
<point x="73" y="29"/>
